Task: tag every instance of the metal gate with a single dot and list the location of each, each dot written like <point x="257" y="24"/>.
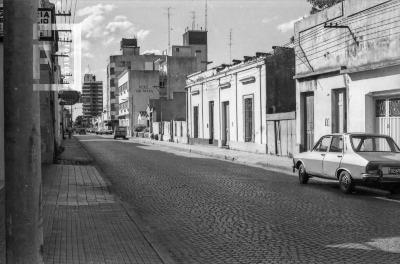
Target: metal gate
<point x="387" y="114"/>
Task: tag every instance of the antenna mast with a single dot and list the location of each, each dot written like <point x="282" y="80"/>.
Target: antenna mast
<point x="230" y="45"/>
<point x="193" y="20"/>
<point x="205" y="19"/>
<point x="169" y="30"/>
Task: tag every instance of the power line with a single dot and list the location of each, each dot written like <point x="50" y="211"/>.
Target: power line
<point x="383" y="9"/>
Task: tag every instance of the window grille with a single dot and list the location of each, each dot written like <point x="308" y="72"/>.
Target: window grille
<point x="394" y="107"/>
<point x="380" y="108"/>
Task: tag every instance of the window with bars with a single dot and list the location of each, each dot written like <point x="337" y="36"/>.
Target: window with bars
<point x="380" y="108"/>
<point x="394" y="107"/>
<point x="248" y="120"/>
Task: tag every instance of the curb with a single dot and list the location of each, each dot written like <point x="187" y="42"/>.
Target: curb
<point x="231" y="158"/>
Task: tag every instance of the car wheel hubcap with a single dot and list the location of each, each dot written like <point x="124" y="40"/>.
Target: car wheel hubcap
<point x="346" y="181"/>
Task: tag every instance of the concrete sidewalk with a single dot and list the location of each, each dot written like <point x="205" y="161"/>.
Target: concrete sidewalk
<point x="283" y="164"/>
<point x="83" y="221"/>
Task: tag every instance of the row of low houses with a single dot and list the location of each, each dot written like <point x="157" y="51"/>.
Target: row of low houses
<point x="247" y="106"/>
<point x="341" y="74"/>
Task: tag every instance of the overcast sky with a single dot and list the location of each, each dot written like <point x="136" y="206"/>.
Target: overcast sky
<point x="256" y="26"/>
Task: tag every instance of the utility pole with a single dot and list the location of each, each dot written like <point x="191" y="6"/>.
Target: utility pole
<point x="23" y="181"/>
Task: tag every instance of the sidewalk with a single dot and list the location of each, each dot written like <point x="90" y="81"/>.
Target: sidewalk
<point x="83" y="221"/>
<point x="283" y="164"/>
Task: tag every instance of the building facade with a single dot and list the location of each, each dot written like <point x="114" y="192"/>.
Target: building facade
<point x="130" y="59"/>
<point x="348" y="71"/>
<point x="92" y="96"/>
<point x="184" y="60"/>
<point x="135" y="89"/>
<point x="228" y="105"/>
<point x="50" y="78"/>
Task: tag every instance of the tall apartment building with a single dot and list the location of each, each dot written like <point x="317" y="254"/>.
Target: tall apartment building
<point x="92" y="96"/>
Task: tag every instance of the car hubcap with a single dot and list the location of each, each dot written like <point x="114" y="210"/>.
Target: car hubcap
<point x="345" y="181"/>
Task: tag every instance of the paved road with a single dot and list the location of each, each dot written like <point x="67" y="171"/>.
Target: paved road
<point x="210" y="211"/>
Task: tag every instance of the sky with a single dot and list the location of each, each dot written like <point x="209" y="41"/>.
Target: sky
<point x="256" y="26"/>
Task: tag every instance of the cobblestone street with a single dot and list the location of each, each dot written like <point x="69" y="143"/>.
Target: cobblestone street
<point x="202" y="210"/>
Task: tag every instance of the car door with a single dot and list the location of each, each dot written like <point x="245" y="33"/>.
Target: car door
<point x="333" y="157"/>
<point x="316" y="156"/>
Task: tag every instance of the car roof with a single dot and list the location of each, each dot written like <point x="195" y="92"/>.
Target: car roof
<point x="356" y="134"/>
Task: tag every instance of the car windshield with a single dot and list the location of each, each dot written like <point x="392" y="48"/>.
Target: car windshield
<point x="366" y="143"/>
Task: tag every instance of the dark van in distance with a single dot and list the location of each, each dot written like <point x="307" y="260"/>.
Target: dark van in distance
<point x="120" y="132"/>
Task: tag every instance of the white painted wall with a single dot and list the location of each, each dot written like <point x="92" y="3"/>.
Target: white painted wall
<point x="363" y="88"/>
<point x="322" y="88"/>
<point x="210" y="91"/>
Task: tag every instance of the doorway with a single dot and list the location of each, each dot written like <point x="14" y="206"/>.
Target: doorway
<point x="211" y="121"/>
<point x="308" y="121"/>
<point x="339" y="111"/>
<point x="196" y="122"/>
<point x="225" y="124"/>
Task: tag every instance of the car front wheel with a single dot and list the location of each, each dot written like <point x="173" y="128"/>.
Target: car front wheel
<point x="346" y="182"/>
<point x="303" y="176"/>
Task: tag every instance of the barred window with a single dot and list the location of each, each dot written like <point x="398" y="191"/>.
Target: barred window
<point x="380" y="108"/>
<point x="394" y="107"/>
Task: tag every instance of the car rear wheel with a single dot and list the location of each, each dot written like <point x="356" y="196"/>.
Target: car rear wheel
<point x="346" y="182"/>
<point x="303" y="176"/>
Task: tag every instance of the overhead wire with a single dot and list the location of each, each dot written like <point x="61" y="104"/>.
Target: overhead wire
<point x="373" y="12"/>
<point x="377" y="11"/>
<point x="345" y="34"/>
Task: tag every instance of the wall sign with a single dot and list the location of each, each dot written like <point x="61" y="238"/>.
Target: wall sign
<point x="45" y="21"/>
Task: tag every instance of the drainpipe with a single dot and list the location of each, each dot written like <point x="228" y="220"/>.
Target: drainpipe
<point x="202" y="109"/>
<point x="236" y="107"/>
<point x="187" y="115"/>
<point x="219" y="114"/>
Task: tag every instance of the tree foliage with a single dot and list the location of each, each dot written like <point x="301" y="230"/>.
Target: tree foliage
<point x="79" y="121"/>
<point x="318" y="5"/>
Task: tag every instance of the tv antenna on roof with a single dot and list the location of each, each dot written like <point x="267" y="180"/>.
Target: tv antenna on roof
<point x="193" y="20"/>
<point x="205" y="18"/>
<point x="230" y="45"/>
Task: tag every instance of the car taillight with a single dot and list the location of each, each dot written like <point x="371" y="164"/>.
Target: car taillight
<point x="373" y="168"/>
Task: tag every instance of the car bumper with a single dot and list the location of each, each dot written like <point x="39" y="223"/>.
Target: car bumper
<point x="386" y="178"/>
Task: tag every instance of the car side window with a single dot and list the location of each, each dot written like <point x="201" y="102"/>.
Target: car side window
<point x="337" y="144"/>
<point x="323" y="144"/>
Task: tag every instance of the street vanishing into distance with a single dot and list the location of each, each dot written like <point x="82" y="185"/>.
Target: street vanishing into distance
<point x="201" y="210"/>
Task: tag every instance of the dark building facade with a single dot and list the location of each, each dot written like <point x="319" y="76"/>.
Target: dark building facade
<point x="92" y="96"/>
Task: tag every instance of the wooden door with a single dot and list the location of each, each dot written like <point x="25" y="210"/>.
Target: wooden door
<point x="309" y="121"/>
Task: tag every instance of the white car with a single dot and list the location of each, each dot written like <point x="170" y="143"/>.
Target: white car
<point x="351" y="158"/>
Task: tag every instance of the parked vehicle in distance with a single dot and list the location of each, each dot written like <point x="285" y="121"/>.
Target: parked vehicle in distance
<point x="351" y="158"/>
<point x="108" y="132"/>
<point x="120" y="132"/>
<point x="99" y="131"/>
